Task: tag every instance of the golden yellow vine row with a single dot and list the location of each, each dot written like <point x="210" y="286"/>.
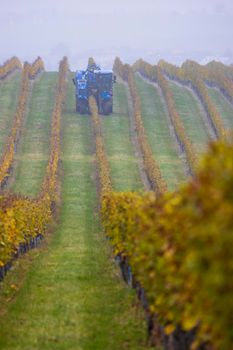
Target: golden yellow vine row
<point x="154" y="73"/>
<point x="190" y="72"/>
<point x="151" y="166"/>
<point x="179" y="247"/>
<point x="179" y="244"/>
<point x="218" y="74"/>
<point x="102" y="162"/>
<point x="24" y="218"/>
<point x="6" y="160"/>
<point x="9" y="66"/>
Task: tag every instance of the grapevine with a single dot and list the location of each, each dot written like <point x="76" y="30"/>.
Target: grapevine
<point x="190" y="72"/>
<point x="179" y="248"/>
<point x="154" y="73"/>
<point x="152" y="168"/>
<point x="9" y="66"/>
<point x="102" y="163"/>
<point x="6" y="160"/>
<point x="23" y="218"/>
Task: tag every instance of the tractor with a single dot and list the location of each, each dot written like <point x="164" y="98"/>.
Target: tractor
<point x="94" y="82"/>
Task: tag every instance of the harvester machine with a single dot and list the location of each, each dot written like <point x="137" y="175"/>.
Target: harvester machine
<point x="94" y="82"/>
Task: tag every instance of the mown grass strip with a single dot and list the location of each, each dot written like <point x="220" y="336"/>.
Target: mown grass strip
<point x="157" y="182"/>
<point x="10" y="146"/>
<point x="224" y="107"/>
<point x="155" y="121"/>
<point x="165" y="240"/>
<point x="33" y="153"/>
<point x="190" y="73"/>
<point x="73" y="296"/>
<point x="155" y="74"/>
<point x="25" y="219"/>
<point x="9" y="91"/>
<point x="116" y="132"/>
<point x="191" y="114"/>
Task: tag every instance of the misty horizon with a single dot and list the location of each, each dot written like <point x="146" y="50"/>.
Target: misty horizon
<point x="171" y="30"/>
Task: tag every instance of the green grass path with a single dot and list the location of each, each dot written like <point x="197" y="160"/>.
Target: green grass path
<point x="155" y="122"/>
<point x="9" y="90"/>
<point x="223" y="106"/>
<point x="116" y="131"/>
<point x="73" y="296"/>
<point x="32" y="156"/>
<point x="192" y="116"/>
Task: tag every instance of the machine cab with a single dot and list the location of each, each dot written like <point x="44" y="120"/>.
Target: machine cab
<point x="94" y="82"/>
<point x="104" y="79"/>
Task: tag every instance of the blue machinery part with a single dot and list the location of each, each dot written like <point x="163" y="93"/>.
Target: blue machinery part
<point x="94" y="82"/>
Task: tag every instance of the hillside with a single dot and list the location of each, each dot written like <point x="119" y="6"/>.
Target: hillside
<point x="69" y="293"/>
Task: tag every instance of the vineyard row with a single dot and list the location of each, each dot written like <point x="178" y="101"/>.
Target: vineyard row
<point x="8" y="154"/>
<point x="23" y="219"/>
<point x="190" y="73"/>
<point x="9" y="66"/>
<point x="154" y="74"/>
<point x="152" y="169"/>
<point x="178" y="246"/>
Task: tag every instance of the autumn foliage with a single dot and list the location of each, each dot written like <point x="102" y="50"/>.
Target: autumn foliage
<point x="179" y="247"/>
<point x="155" y="74"/>
<point x="178" y="244"/>
<point x="105" y="185"/>
<point x="9" y="66"/>
<point x="219" y="75"/>
<point x="190" y="72"/>
<point x="36" y="68"/>
<point x="152" y="168"/>
<point x="23" y="218"/>
<point x="7" y="157"/>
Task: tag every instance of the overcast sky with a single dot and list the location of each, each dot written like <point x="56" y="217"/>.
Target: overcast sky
<point x="175" y="29"/>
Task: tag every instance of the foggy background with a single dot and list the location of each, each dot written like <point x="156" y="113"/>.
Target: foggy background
<point x="174" y="30"/>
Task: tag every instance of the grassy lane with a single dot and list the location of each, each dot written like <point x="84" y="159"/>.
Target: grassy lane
<point x="33" y="152"/>
<point x="192" y="116"/>
<point x="116" y="130"/>
<point x="155" y="120"/>
<point x="224" y="107"/>
<point x="9" y="90"/>
<point x="73" y="297"/>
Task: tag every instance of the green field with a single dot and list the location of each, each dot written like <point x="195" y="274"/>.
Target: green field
<point x="156" y="123"/>
<point x="33" y="152"/>
<point x="69" y="293"/>
<point x="72" y="296"/>
<point x="116" y="131"/>
<point x="9" y="91"/>
<point x="223" y="106"/>
<point x="192" y="116"/>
